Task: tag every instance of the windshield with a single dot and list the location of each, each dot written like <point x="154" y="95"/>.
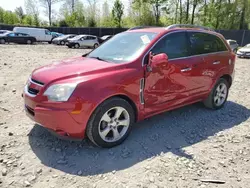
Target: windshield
<point x="123" y="47"/>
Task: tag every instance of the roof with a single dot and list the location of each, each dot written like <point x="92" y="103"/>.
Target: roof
<point x="174" y="27"/>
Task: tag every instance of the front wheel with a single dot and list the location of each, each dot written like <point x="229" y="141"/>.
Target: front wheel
<point x="95" y="46"/>
<point x="218" y="96"/>
<point x="29" y="42"/>
<point x="62" y="43"/>
<point x="111" y="123"/>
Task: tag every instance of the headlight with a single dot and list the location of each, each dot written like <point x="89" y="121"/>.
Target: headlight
<point x="60" y="92"/>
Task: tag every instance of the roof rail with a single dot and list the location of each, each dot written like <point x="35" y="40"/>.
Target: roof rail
<point x="189" y="26"/>
<point x="140" y="27"/>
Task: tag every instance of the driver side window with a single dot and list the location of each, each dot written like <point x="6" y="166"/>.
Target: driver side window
<point x="47" y="32"/>
<point x="174" y="45"/>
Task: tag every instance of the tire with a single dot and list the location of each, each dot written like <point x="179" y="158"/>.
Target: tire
<point x="62" y="43"/>
<point x="97" y="125"/>
<point x="211" y="101"/>
<point x="77" y="45"/>
<point x="95" y="46"/>
<point x="2" y="41"/>
<point x="29" y="42"/>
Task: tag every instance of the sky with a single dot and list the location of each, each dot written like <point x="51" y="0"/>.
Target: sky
<point x="12" y="4"/>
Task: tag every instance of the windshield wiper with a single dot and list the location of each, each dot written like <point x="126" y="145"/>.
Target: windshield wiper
<point x="98" y="58"/>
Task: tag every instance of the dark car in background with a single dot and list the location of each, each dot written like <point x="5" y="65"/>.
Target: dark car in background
<point x="105" y="38"/>
<point x="15" y="37"/>
<point x="62" y="40"/>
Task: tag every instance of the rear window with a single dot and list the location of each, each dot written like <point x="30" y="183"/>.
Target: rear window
<point x="203" y="43"/>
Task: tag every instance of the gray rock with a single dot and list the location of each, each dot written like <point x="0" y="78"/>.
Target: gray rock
<point x="39" y="170"/>
<point x="151" y="179"/>
<point x="14" y="90"/>
<point x="10" y="134"/>
<point x="26" y="183"/>
<point x="4" y="172"/>
<point x="79" y="173"/>
<point x="58" y="150"/>
<point x="170" y="179"/>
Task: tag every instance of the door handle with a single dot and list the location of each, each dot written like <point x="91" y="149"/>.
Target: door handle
<point x="216" y="62"/>
<point x="186" y="69"/>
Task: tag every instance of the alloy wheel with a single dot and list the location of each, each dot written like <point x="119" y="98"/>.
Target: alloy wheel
<point x="220" y="94"/>
<point x="114" y="124"/>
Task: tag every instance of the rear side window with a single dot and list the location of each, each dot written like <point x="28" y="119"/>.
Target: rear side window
<point x="203" y="43"/>
<point x="174" y="45"/>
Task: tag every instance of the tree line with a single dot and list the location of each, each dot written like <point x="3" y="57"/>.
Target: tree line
<point x="217" y="14"/>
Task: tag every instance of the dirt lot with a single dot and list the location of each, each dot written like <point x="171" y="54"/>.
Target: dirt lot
<point x="175" y="149"/>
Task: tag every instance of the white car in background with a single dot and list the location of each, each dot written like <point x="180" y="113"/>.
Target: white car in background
<point x="244" y="51"/>
<point x="78" y="41"/>
<point x="233" y="44"/>
<point x="41" y="35"/>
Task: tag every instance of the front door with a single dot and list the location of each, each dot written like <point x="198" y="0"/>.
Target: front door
<point x="172" y="83"/>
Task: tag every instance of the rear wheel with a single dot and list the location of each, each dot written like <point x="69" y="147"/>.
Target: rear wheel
<point x="2" y="41"/>
<point x="218" y="96"/>
<point x="77" y="45"/>
<point x="111" y="123"/>
<point x="62" y="43"/>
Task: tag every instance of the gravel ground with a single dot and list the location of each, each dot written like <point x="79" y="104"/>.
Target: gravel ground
<point x="180" y="148"/>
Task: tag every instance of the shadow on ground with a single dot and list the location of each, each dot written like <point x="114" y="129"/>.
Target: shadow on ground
<point x="169" y="132"/>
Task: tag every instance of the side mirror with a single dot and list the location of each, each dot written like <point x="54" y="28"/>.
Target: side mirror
<point x="155" y="60"/>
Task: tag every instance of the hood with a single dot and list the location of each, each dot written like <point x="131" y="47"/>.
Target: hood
<point x="77" y="66"/>
<point x="244" y="49"/>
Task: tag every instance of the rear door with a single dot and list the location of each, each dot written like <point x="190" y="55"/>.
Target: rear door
<point x="89" y="41"/>
<point x="214" y="54"/>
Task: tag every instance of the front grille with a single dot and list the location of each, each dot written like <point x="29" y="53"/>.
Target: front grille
<point x="33" y="91"/>
<point x="37" y="82"/>
<point x="30" y="110"/>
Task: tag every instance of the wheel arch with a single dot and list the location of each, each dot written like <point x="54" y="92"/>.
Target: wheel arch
<point x="124" y="97"/>
<point x="228" y="78"/>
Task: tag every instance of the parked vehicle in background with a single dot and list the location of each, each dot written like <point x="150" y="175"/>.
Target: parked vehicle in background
<point x="62" y="40"/>
<point x="105" y="38"/>
<point x="41" y="35"/>
<point x="233" y="45"/>
<point x="78" y="41"/>
<point x="55" y="34"/>
<point x="4" y="31"/>
<point x="136" y="74"/>
<point x="15" y="37"/>
<point x="244" y="51"/>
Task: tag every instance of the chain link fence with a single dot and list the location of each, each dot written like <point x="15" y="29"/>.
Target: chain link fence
<point x="241" y="36"/>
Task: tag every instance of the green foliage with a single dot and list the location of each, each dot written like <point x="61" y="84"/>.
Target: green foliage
<point x="217" y="14"/>
<point x="117" y="12"/>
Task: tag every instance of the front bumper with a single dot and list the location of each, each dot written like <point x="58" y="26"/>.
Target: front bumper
<point x="57" y="119"/>
<point x="243" y="54"/>
<point x="55" y="42"/>
<point x="70" y="44"/>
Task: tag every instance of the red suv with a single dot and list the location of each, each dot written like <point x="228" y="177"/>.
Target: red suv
<point x="136" y="74"/>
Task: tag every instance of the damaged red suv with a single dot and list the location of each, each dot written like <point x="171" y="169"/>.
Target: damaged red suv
<point x="136" y="74"/>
